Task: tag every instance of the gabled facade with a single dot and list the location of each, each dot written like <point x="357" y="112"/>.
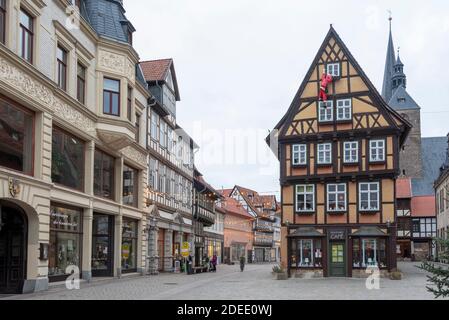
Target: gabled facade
<point x="263" y="209"/>
<point x="170" y="169"/>
<point x="339" y="162"/>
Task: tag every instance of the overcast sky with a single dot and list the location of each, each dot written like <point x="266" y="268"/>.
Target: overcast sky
<point x="239" y="64"/>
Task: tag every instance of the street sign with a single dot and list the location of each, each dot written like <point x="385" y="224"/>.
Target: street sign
<point x="185" y="250"/>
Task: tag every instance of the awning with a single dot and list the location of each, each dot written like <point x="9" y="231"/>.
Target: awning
<point x="308" y="232"/>
<point x="369" y="232"/>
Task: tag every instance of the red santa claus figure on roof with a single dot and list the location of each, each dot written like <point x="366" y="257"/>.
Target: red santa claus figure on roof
<point x="326" y="79"/>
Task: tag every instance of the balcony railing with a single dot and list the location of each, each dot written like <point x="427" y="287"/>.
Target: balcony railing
<point x="263" y="241"/>
<point x="263" y="228"/>
<point x="205" y="216"/>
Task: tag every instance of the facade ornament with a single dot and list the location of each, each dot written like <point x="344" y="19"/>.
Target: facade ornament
<point x="14" y="187"/>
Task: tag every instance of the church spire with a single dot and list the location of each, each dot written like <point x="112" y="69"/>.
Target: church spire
<point x="387" y="90"/>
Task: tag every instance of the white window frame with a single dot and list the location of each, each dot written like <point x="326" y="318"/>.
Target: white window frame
<point x="305" y="193"/>
<point x="337" y="193"/>
<point x="380" y="150"/>
<point x="369" y="192"/>
<point x="349" y="147"/>
<point x="299" y="154"/>
<point x="333" y="69"/>
<point x="326" y="111"/>
<point x="343" y="105"/>
<point x="325" y="148"/>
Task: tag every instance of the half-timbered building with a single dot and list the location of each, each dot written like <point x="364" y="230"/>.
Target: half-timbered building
<point x="339" y="162"/>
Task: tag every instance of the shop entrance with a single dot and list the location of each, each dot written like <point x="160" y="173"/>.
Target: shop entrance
<point x="13" y="237"/>
<point x="103" y="246"/>
<point x="337" y="258"/>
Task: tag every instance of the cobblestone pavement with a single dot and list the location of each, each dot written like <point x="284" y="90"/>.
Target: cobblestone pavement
<point x="230" y="284"/>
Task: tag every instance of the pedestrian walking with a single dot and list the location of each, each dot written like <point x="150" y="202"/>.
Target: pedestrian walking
<point x="214" y="263"/>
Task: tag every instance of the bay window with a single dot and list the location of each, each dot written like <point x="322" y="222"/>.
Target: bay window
<point x="103" y="175"/>
<point x="336" y="197"/>
<point x="305" y="198"/>
<point x="81" y="83"/>
<point x="326" y="111"/>
<point x="26" y="36"/>
<point x="61" y="61"/>
<point x="67" y="163"/>
<point x="16" y="137"/>
<point x="130" y="186"/>
<point x="369" y="196"/>
<point x="2" y="21"/>
<point x="137" y="124"/>
<point x="377" y="150"/>
<point x="351" y="152"/>
<point x="325" y="153"/>
<point x="299" y="154"/>
<point x="129" y="104"/>
<point x="369" y="252"/>
<point x="111" y="97"/>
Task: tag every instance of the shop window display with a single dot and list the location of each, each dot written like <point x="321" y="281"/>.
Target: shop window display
<point x="129" y="246"/>
<point x="65" y="239"/>
<point x="369" y="253"/>
<point x="306" y="253"/>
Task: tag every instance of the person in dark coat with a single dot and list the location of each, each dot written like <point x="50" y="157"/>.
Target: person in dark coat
<point x="214" y="263"/>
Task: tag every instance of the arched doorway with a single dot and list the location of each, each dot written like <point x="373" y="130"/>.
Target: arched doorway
<point x="13" y="248"/>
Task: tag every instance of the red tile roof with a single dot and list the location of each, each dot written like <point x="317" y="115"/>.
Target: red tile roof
<point x="403" y="188"/>
<point x="423" y="206"/>
<point x="155" y="70"/>
<point x="234" y="207"/>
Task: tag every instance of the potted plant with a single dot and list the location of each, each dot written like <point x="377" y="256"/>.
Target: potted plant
<point x="279" y="273"/>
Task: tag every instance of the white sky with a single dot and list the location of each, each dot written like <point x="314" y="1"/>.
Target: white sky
<point x="239" y="64"/>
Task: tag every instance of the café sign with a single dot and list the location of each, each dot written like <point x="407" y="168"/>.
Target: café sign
<point x="337" y="235"/>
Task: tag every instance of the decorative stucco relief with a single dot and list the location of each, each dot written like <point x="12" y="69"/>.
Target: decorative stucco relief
<point x="35" y="90"/>
<point x="135" y="155"/>
<point x="116" y="63"/>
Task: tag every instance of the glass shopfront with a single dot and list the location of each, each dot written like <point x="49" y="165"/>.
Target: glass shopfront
<point x="102" y="245"/>
<point x="129" y="245"/>
<point x="65" y="241"/>
<point x="369" y="252"/>
<point x="214" y="246"/>
<point x="306" y="253"/>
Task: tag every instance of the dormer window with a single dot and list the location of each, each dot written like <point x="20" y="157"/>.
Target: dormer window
<point x="130" y="37"/>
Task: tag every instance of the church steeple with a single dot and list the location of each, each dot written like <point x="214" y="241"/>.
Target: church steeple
<point x="387" y="90"/>
<point x="399" y="78"/>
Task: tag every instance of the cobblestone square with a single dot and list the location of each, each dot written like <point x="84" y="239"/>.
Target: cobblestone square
<point x="255" y="283"/>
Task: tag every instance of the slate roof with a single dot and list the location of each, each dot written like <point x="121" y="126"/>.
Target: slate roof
<point x="108" y="18"/>
<point x="401" y="100"/>
<point x="434" y="154"/>
<point x="389" y="67"/>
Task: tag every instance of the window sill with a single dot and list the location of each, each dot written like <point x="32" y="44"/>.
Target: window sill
<point x="369" y="212"/>
<point x="305" y="213"/>
<point x="326" y="122"/>
<point x="299" y="166"/>
<point x="344" y="121"/>
<point x="351" y="164"/>
<point x="337" y="213"/>
<point x="324" y="164"/>
<point x="377" y="162"/>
